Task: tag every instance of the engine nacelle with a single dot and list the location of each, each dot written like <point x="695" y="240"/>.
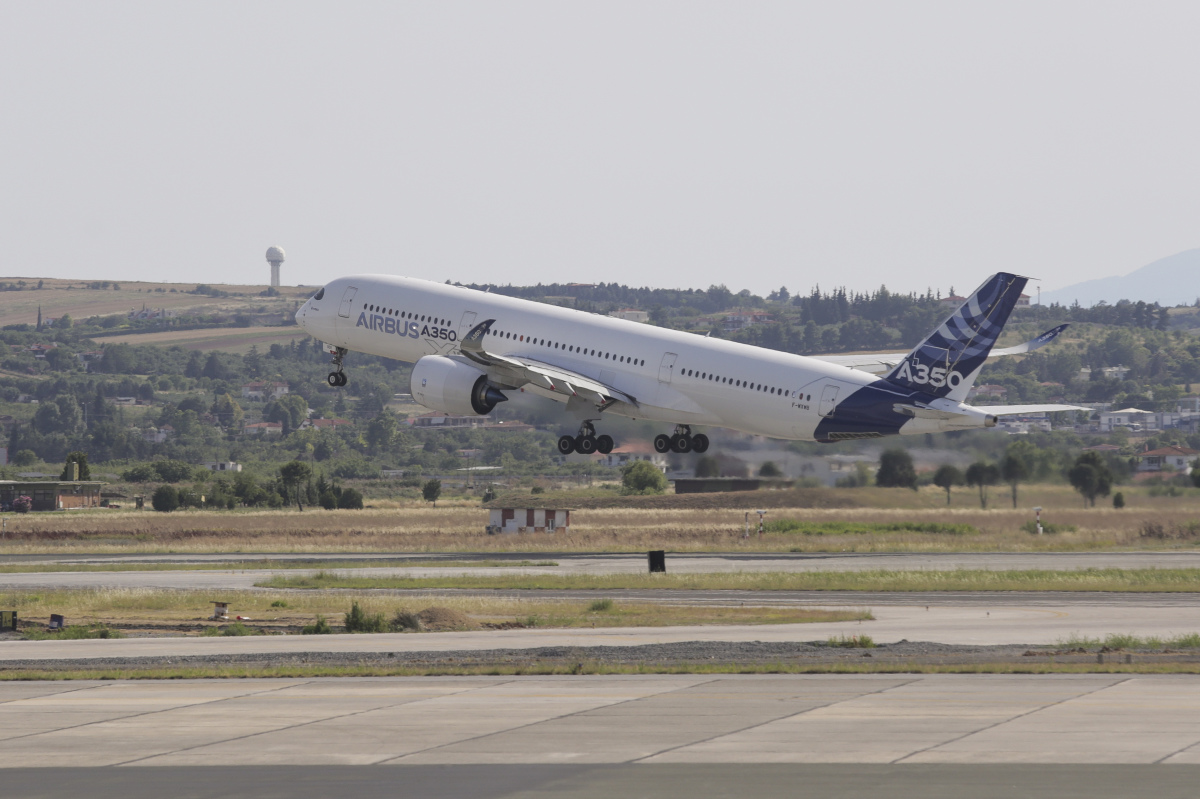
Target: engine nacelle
<point x="452" y="386"/>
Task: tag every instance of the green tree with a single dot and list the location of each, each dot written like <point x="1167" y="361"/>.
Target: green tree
<point x="165" y="499"/>
<point x="227" y="411"/>
<point x="432" y="490"/>
<point x="293" y="474"/>
<point x="1091" y="477"/>
<point x="707" y="466"/>
<point x="947" y="476"/>
<point x="982" y="474"/>
<point x="382" y="432"/>
<point x="643" y="477"/>
<point x="350" y="499"/>
<point x="1013" y="471"/>
<point x="84" y="472"/>
<point x="896" y="470"/>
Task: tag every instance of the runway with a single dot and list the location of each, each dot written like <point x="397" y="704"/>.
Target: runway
<point x="842" y="736"/>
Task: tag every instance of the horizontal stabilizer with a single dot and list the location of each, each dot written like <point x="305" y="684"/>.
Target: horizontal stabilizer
<point x="1012" y="410"/>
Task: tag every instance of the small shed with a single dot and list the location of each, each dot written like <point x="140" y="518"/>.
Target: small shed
<point x="529" y="520"/>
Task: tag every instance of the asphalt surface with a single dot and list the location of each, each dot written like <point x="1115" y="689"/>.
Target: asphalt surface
<point x="929" y="736"/>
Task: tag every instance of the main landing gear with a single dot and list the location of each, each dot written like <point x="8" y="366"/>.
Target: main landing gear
<point x="586" y="442"/>
<point x="681" y="441"/>
<point x="337" y="377"/>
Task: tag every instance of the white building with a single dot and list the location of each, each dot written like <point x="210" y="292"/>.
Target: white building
<point x="529" y="520"/>
<point x="222" y="466"/>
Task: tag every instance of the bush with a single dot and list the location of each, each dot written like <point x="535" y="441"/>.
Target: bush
<point x="404" y="621"/>
<point x="165" y="499"/>
<point x="351" y="499"/>
<point x="172" y="471"/>
<point x="22" y="504"/>
<point x="852" y="642"/>
<point x="141" y="473"/>
<point x="431" y="491"/>
<point x="279" y="603"/>
<point x="318" y="627"/>
<point x="643" y="477"/>
<point x="359" y="621"/>
<point x="328" y="500"/>
<point x="600" y="605"/>
<point x="1118" y="500"/>
<point x="896" y="470"/>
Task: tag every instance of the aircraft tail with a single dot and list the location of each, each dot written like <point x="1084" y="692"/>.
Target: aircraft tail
<point x="947" y="362"/>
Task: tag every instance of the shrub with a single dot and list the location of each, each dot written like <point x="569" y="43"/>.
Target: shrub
<point x="643" y="477"/>
<point x="165" y="499"/>
<point x="351" y="499"/>
<point x="852" y="642"/>
<point x="1118" y="500"/>
<point x="22" y="504"/>
<point x="404" y="621"/>
<point x="359" y="621"/>
<point x="896" y="470"/>
<point x="318" y="627"/>
<point x="600" y="605"/>
<point x="279" y="603"/>
<point x="431" y="491"/>
<point x="328" y="500"/>
<point x="537" y="490"/>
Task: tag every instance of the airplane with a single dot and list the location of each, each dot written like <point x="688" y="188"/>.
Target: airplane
<point x="471" y="349"/>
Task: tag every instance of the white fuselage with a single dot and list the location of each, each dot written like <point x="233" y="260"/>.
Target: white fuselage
<point x="675" y="377"/>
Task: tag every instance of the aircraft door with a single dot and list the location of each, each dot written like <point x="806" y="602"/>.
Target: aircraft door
<point x="667" y="368"/>
<point x="347" y="299"/>
<point x="829" y="395"/>
<point x="468" y="322"/>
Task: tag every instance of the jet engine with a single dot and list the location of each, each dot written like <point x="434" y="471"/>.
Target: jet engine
<point x="453" y="386"/>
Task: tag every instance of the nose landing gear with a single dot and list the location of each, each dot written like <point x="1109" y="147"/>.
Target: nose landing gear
<point x="337" y="377"/>
<point x="681" y="441"/>
<point x="586" y="442"/>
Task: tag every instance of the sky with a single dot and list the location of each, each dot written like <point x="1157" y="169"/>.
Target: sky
<point x="674" y="144"/>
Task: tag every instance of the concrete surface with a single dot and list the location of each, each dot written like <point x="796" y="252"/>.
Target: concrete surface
<point x="966" y="719"/>
<point x="851" y="737"/>
<point x="979" y="624"/>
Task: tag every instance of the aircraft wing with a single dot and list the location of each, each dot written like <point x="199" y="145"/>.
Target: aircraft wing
<point x="878" y="363"/>
<point x="516" y="371"/>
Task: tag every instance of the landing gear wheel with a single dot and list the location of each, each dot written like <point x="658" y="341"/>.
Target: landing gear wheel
<point x="700" y="443"/>
<point x="662" y="443"/>
<point x="337" y="379"/>
<point x="604" y="444"/>
<point x="585" y="445"/>
<point x="681" y="443"/>
<point x="566" y="445"/>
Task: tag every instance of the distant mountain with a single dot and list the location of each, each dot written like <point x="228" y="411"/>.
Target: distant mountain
<point x="1174" y="280"/>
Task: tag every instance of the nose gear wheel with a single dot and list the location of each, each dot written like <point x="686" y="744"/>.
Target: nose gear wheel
<point x="338" y="378"/>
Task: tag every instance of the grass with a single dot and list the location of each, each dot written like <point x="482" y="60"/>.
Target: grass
<point x="1148" y="580"/>
<point x="1130" y="641"/>
<point x="851" y="642"/>
<point x="457" y="525"/>
<point x="189" y="611"/>
<point x="273" y="564"/>
<point x="866" y="528"/>
<point x="72" y="632"/>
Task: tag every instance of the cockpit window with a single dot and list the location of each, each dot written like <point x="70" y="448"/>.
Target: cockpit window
<point x="320" y="294"/>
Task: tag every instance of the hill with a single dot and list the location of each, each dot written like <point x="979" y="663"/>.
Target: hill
<point x="1170" y="281"/>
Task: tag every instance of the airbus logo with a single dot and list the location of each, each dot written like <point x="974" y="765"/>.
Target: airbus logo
<point x="921" y="374"/>
<point x="389" y="324"/>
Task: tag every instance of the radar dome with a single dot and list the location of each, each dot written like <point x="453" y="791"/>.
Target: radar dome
<point x="275" y="254"/>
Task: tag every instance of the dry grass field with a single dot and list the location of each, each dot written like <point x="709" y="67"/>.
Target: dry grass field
<point x="1148" y="522"/>
<point x="58" y="297"/>
<point x="227" y="339"/>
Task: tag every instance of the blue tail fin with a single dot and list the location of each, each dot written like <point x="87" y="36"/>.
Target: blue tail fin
<point x="947" y="362"/>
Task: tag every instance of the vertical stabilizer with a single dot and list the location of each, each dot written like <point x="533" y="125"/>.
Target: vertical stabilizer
<point x="947" y="362"/>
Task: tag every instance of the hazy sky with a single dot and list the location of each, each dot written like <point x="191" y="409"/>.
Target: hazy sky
<point x="670" y="144"/>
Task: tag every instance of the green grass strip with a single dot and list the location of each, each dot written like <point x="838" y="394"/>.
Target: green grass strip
<point x="244" y="565"/>
<point x="1142" y="580"/>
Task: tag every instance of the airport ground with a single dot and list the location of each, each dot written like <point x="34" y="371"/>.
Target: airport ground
<point x="697" y="710"/>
